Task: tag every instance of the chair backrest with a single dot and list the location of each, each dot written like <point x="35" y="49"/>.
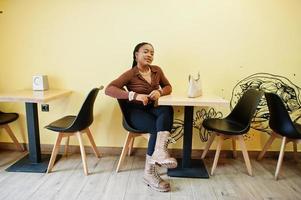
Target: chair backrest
<point x="125" y="122"/>
<point x="245" y="108"/>
<point x="279" y="121"/>
<point x="122" y="104"/>
<point x="85" y="116"/>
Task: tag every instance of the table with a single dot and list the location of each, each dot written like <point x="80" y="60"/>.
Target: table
<point x="34" y="161"/>
<point x="187" y="167"/>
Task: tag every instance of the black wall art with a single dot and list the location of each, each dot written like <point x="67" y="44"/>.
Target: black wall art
<point x="288" y="92"/>
<point x="266" y="82"/>
<point x="202" y="114"/>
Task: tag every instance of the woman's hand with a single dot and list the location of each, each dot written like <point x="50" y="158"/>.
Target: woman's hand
<point x="154" y="95"/>
<point x="143" y="98"/>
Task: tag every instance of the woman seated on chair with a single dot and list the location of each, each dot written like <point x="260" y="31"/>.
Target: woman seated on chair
<point x="146" y="83"/>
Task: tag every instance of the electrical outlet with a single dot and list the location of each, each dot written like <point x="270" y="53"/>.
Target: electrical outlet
<point x="45" y="108"/>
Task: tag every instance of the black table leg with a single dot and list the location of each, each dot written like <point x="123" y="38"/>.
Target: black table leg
<point x="187" y="167"/>
<point x="187" y="138"/>
<point x="34" y="161"/>
<point x="33" y="132"/>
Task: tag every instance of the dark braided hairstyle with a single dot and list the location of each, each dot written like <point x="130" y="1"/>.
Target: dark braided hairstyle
<point x="137" y="47"/>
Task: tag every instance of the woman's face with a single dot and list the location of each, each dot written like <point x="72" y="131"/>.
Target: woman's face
<point x="145" y="55"/>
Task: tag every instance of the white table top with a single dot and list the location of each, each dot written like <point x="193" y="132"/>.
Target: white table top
<point x="31" y="96"/>
<point x="205" y="100"/>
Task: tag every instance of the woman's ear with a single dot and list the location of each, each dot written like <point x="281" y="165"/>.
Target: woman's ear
<point x="136" y="55"/>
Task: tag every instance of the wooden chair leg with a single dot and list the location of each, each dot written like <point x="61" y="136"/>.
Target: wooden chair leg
<point x="124" y="150"/>
<point x="82" y="151"/>
<point x="234" y="147"/>
<point x="280" y="158"/>
<point x="295" y="151"/>
<point x="208" y="144"/>
<point x="245" y="153"/>
<point x="55" y="150"/>
<point x="266" y="146"/>
<point x="66" y="146"/>
<point x="13" y="137"/>
<point x="217" y="152"/>
<point x="131" y="144"/>
<point x="96" y="152"/>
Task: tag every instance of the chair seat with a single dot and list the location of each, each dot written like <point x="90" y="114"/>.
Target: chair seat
<point x="291" y="133"/>
<point x="62" y="124"/>
<point x="295" y="134"/>
<point x="225" y="126"/>
<point x="6" y="118"/>
<point x="129" y="128"/>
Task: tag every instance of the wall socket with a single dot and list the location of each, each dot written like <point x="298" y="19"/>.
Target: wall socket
<point x="45" y="107"/>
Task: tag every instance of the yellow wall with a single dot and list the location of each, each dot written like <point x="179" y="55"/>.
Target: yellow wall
<point x="81" y="44"/>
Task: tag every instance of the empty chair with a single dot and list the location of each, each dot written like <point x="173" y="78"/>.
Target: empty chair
<point x="282" y="126"/>
<point x="131" y="135"/>
<point x="75" y="125"/>
<point x="5" y="119"/>
<point x="233" y="127"/>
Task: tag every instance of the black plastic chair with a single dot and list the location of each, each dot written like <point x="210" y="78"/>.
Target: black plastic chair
<point x="75" y="125"/>
<point x="5" y="119"/>
<point x="132" y="133"/>
<point x="282" y="126"/>
<point x="233" y="126"/>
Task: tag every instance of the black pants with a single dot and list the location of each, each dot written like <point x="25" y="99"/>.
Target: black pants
<point x="151" y="120"/>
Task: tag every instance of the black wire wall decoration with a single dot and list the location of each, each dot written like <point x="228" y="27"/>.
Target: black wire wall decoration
<point x="201" y="115"/>
<point x="177" y="130"/>
<point x="178" y="126"/>
<point x="266" y="82"/>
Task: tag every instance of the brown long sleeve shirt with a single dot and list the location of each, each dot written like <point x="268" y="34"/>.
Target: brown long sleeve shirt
<point x="134" y="81"/>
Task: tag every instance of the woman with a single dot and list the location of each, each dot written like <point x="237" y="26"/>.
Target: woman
<point x="146" y="83"/>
